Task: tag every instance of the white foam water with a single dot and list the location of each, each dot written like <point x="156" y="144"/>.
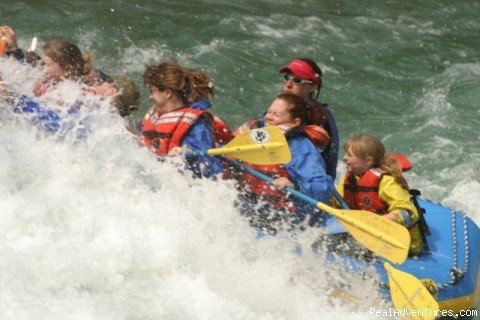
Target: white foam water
<point x="98" y="228"/>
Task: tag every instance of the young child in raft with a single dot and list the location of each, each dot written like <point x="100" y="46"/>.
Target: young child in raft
<point x="172" y="125"/>
<point x="305" y="172"/>
<point x="374" y="182"/>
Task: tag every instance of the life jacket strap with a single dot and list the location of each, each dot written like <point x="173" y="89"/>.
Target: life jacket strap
<point x="152" y="134"/>
<point x="422" y="223"/>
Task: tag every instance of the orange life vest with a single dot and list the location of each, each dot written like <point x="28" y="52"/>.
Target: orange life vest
<point x="362" y="194"/>
<point x="222" y="132"/>
<point x="163" y="132"/>
<point x="3" y="46"/>
<point x="317" y="134"/>
<point x="248" y="125"/>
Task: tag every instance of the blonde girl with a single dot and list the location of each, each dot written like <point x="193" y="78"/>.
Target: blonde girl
<point x="374" y="182"/>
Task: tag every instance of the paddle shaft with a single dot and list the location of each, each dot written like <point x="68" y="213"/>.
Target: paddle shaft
<point x="251" y="147"/>
<point x="268" y="179"/>
<point x="340" y="199"/>
<point x="233" y="150"/>
<point x="290" y="190"/>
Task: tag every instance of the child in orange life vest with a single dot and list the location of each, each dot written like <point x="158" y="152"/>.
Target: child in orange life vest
<point x="172" y="124"/>
<point x="200" y="92"/>
<point x="306" y="170"/>
<point x="374" y="182"/>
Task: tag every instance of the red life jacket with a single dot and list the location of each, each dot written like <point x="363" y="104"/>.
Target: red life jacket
<point x="222" y="132"/>
<point x="163" y="132"/>
<point x="3" y="46"/>
<point x="317" y="134"/>
<point x="362" y="194"/>
<point x="277" y="198"/>
<point x="405" y="164"/>
<point x="250" y="124"/>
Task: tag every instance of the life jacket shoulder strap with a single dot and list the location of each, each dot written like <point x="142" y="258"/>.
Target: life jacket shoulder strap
<point x="422" y="223"/>
<point x="371" y="178"/>
<point x="250" y="124"/>
<point x="188" y="117"/>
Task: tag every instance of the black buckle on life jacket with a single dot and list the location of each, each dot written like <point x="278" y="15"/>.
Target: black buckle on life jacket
<point x="152" y="134"/>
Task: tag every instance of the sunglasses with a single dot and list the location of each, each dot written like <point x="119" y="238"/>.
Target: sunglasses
<point x="296" y="80"/>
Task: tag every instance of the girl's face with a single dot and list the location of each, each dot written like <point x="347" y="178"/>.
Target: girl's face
<point x="355" y="164"/>
<point x="277" y="113"/>
<point x="53" y="69"/>
<point x="158" y="97"/>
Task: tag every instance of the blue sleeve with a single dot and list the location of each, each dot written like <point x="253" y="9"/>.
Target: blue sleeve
<point x="203" y="104"/>
<point x="200" y="137"/>
<point x="307" y="170"/>
<point x="40" y="116"/>
<point x="51" y="121"/>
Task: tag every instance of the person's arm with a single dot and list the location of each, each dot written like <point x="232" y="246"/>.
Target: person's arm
<point x="400" y="206"/>
<point x="12" y="48"/>
<point x="200" y="137"/>
<point x="40" y="116"/>
<point x="307" y="170"/>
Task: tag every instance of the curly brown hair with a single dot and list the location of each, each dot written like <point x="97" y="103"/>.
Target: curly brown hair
<point x="189" y="85"/>
<point x="69" y="57"/>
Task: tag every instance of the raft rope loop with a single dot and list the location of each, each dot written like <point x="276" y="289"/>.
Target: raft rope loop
<point x="456" y="273"/>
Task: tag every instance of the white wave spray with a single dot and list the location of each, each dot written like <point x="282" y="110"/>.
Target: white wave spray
<point x="98" y="228"/>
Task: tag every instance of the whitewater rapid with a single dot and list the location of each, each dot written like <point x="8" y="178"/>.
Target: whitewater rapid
<point x="99" y="229"/>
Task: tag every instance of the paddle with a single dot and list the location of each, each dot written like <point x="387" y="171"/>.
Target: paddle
<point x="382" y="236"/>
<point x="33" y="45"/>
<point x="258" y="146"/>
<point x="341" y="201"/>
<point x="409" y="294"/>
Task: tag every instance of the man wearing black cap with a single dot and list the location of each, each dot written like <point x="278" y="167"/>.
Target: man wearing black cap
<point x="303" y="77"/>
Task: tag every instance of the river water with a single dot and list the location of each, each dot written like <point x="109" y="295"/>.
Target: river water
<point x="101" y="230"/>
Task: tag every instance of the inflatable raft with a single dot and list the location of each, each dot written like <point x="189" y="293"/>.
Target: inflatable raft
<point x="445" y="277"/>
<point x="450" y="269"/>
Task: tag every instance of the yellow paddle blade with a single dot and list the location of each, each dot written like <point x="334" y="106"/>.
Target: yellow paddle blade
<point x="384" y="237"/>
<point x="258" y="146"/>
<point x="409" y="294"/>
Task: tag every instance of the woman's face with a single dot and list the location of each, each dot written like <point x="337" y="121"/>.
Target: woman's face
<point x="52" y="69"/>
<point x="278" y="113"/>
<point x="303" y="90"/>
<point x="158" y="97"/>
